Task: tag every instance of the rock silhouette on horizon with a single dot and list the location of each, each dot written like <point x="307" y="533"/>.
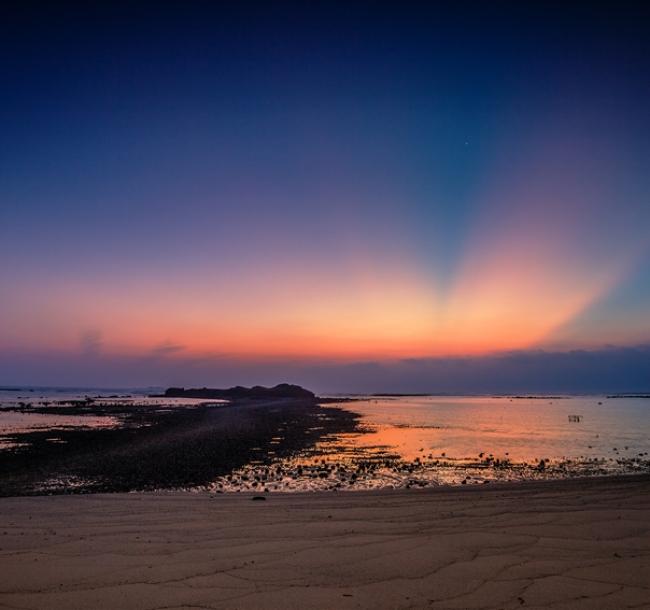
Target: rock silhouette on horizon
<point x="282" y="390"/>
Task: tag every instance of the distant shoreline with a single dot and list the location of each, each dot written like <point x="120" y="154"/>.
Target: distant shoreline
<point x="157" y="391"/>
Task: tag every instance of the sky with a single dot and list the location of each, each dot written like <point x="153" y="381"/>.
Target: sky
<point x="354" y="196"/>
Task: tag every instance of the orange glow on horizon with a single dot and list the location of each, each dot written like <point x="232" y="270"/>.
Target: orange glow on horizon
<point x="498" y="303"/>
<point x="520" y="280"/>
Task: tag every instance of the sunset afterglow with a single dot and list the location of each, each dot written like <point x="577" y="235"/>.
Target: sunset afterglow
<point x="375" y="200"/>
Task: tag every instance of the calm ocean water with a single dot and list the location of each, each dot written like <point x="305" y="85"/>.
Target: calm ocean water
<point x="423" y="441"/>
<point x="521" y="429"/>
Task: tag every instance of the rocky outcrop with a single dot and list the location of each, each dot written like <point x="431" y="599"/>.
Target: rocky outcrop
<point x="258" y="392"/>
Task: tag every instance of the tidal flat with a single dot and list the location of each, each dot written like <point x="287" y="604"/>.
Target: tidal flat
<point x="82" y="443"/>
<point x="145" y="444"/>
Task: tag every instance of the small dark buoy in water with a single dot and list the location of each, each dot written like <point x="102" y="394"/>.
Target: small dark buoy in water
<point x="258" y="498"/>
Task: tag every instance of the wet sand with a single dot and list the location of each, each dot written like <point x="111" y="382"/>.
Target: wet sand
<point x="581" y="543"/>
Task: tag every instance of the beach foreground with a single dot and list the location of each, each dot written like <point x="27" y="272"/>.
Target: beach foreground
<point x="567" y="544"/>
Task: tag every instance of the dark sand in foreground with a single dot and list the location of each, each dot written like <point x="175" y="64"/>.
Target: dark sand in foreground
<point x="566" y="544"/>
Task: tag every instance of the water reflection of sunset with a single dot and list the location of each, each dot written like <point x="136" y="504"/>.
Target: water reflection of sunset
<point x="519" y="430"/>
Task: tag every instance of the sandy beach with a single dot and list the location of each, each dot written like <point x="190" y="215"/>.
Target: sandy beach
<point x="566" y="544"/>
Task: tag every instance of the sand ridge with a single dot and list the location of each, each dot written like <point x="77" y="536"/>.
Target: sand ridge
<point x="566" y="544"/>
